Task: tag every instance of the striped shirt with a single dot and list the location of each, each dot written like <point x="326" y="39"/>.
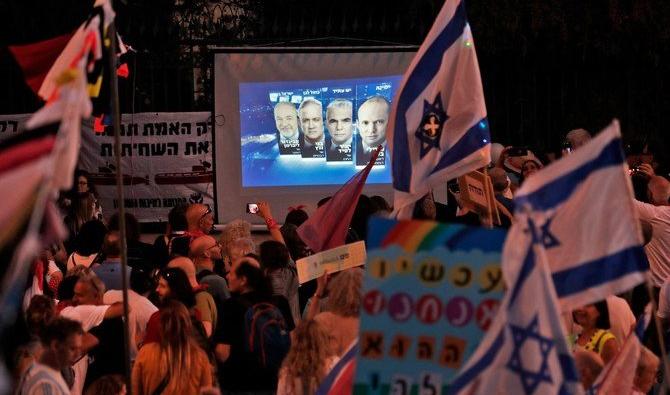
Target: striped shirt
<point x="40" y="379"/>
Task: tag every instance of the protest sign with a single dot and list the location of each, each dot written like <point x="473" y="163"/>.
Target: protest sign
<point x="430" y="292"/>
<point x="333" y="260"/>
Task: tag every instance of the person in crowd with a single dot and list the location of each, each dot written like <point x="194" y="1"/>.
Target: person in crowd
<point x="528" y="168"/>
<point x="62" y="344"/>
<point x="111" y="384"/>
<point x="282" y="272"/>
<point x="645" y="372"/>
<point x="200" y="219"/>
<point x="577" y="138"/>
<point x="40" y="312"/>
<point x="359" y="221"/>
<point x="141" y="309"/>
<point x="589" y="365"/>
<point x="657" y="213"/>
<point x="175" y="364"/>
<point x="373" y="116"/>
<point x="595" y="335"/>
<point x="621" y="318"/>
<point x="286" y="121"/>
<point x="243" y="369"/>
<point x="204" y="252"/>
<point x="204" y="302"/>
<point x="503" y="194"/>
<point x="138" y="252"/>
<point x="307" y="362"/>
<point x="80" y="205"/>
<point x="88" y="308"/>
<point x="296" y="216"/>
<point x="339" y="122"/>
<point x="107" y="335"/>
<point x="312" y="137"/>
<point x="176" y="227"/>
<point x="87" y="244"/>
<point x="173" y="284"/>
<point x="382" y="206"/>
<point x="109" y="270"/>
<point x="342" y="318"/>
<point x="234" y="230"/>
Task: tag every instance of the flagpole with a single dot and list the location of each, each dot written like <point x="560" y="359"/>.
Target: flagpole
<point x="116" y="122"/>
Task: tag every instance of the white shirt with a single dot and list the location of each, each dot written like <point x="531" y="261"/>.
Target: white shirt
<point x="658" y="249"/>
<point x="621" y="318"/>
<point x="141" y="310"/>
<point x="88" y="316"/>
<point x="41" y="379"/>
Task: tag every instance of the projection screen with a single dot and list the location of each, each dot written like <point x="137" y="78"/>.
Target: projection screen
<point x="292" y="125"/>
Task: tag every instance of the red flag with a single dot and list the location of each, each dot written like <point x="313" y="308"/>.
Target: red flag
<point x="328" y="227"/>
<point x="35" y="59"/>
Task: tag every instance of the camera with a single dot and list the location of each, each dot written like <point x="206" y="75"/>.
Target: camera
<point x="517" y="151"/>
<point x="252" y="208"/>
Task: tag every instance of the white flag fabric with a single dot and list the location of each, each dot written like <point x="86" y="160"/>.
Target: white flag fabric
<point x="581" y="210"/>
<point x="438" y="128"/>
<point x="525" y="350"/>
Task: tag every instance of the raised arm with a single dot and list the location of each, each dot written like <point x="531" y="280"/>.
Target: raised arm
<point x="265" y="213"/>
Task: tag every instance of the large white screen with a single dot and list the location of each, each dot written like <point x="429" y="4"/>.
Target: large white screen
<point x="253" y="161"/>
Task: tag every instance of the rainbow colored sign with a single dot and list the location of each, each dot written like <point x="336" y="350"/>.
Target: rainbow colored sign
<point x="431" y="291"/>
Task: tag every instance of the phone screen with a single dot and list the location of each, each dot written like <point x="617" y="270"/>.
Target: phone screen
<point x="252" y="208"/>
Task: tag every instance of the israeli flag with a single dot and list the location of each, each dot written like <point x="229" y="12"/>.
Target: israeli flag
<point x="525" y="349"/>
<point x="438" y="128"/>
<point x="581" y="210"/>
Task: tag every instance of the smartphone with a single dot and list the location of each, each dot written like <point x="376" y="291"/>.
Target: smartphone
<point x="566" y="146"/>
<point x="252" y="208"/>
<point x="517" y="151"/>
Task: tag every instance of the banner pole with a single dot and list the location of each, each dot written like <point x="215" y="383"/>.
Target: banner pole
<point x="116" y="122"/>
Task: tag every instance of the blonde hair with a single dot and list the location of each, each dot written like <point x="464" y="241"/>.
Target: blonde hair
<point x="345" y="293"/>
<point x="305" y="363"/>
<point x="236" y="229"/>
<point x="177" y="347"/>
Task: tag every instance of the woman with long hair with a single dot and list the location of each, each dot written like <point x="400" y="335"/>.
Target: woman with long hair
<point x="80" y="204"/>
<point x="307" y="362"/>
<point x="175" y="365"/>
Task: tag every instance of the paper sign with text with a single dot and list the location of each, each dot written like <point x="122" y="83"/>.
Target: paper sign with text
<point x="333" y="260"/>
<point x="430" y="292"/>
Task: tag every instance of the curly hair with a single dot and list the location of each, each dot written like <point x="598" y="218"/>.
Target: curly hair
<point x="345" y="293"/>
<point x="305" y="363"/>
<point x="236" y="229"/>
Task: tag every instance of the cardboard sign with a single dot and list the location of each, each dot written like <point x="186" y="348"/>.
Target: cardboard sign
<point x="333" y="260"/>
<point x="430" y="293"/>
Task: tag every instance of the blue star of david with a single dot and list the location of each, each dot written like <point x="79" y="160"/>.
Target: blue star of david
<point x="430" y="128"/>
<point x="529" y="379"/>
<point x="542" y="235"/>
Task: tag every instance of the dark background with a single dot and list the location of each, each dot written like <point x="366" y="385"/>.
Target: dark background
<point x="547" y="67"/>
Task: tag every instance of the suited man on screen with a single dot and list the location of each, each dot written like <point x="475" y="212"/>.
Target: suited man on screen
<point x="373" y="117"/>
<point x="312" y="138"/>
<point x="339" y="121"/>
<point x="286" y="121"/>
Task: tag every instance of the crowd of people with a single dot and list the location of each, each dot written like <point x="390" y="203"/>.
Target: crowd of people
<point x="216" y="313"/>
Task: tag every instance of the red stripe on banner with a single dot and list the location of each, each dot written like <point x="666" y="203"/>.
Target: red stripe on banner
<point x="37" y="58"/>
<point x="16" y="156"/>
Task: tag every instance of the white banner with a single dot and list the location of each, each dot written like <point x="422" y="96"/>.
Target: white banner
<point x="166" y="160"/>
<point x="333" y="260"/>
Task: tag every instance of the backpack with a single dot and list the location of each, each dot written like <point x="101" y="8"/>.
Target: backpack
<point x="266" y="335"/>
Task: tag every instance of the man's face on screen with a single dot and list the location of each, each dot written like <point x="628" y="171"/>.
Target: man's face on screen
<point x="286" y="119"/>
<point x="311" y="122"/>
<point x="372" y="119"/>
<point x="339" y="124"/>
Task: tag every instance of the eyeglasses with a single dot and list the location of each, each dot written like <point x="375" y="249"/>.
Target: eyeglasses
<point x="83" y="183"/>
<point x="209" y="211"/>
